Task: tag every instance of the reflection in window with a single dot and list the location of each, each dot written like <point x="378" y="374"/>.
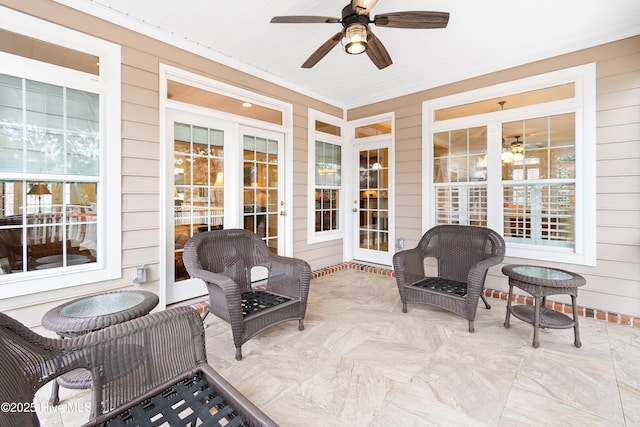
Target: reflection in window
<point x="540" y="214"/>
<point x="327" y="186"/>
<point x="325" y="220"/>
<point x="47" y="225"/>
<point x="540" y="189"/>
<point x="515" y="100"/>
<point x="260" y="188"/>
<point x="47" y="130"/>
<point x="541" y="148"/>
<point x="374" y="199"/>
<point x="459" y="164"/>
<point x="198" y="185"/>
<point x="373" y="129"/>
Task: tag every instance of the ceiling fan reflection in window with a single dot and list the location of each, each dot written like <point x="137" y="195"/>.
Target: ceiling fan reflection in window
<point x="357" y="37"/>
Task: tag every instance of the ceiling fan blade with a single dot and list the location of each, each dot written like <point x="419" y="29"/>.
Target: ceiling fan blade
<point x="322" y="51"/>
<point x="419" y="19"/>
<point x="377" y="52"/>
<point x="304" y="20"/>
<point x="363" y="7"/>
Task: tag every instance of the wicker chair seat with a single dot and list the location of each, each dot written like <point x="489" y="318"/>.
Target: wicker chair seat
<point x="256" y="301"/>
<point x="445" y="286"/>
<point x="192" y="401"/>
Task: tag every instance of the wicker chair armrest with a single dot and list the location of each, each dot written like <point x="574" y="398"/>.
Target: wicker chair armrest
<point x="478" y="272"/>
<point x="51" y="358"/>
<point x="288" y="276"/>
<point x="54" y="344"/>
<point x="227" y="284"/>
<point x="229" y="288"/>
<point x="409" y="266"/>
<point x="480" y="268"/>
<point x="129" y="359"/>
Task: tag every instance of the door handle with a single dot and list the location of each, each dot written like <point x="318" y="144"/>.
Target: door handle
<point x="354" y="210"/>
<point x="283" y="213"/>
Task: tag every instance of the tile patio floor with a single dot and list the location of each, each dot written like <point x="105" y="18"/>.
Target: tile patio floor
<point x="362" y="362"/>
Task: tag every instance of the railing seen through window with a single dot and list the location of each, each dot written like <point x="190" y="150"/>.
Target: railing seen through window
<point x="49" y="172"/>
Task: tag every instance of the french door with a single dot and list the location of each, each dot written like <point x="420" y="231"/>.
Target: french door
<point x="263" y="204"/>
<point x="219" y="175"/>
<point x="371" y="206"/>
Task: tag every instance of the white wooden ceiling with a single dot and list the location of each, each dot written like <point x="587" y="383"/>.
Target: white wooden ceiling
<point x="482" y="37"/>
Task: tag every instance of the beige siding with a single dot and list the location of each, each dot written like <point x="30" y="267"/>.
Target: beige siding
<point x="614" y="284"/>
<point x="141" y="57"/>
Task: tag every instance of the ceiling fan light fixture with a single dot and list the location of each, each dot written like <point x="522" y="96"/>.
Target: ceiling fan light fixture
<point x="355" y="39"/>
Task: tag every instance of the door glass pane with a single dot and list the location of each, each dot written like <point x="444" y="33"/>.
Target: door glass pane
<point x="260" y="188"/>
<point x="374" y="196"/>
<point x="198" y="185"/>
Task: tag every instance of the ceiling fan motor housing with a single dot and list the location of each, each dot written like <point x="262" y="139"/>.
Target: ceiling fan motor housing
<point x="350" y="17"/>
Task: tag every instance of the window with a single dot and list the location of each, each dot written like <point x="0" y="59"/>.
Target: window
<point x="55" y="158"/>
<point x="460" y="176"/>
<point x="328" y="164"/>
<point x="539" y="180"/>
<point x="325" y="177"/>
<point x="525" y="170"/>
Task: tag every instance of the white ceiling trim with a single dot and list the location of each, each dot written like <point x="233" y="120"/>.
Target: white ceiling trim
<point x="481" y="38"/>
<point x="99" y="11"/>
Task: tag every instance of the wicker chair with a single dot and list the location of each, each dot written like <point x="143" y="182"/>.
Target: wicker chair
<point x="140" y="370"/>
<point x="463" y="254"/>
<point x="223" y="259"/>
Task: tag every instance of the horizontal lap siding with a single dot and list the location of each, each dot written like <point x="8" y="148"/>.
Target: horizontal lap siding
<point x="141" y="199"/>
<point x="614" y="284"/>
<point x="618" y="184"/>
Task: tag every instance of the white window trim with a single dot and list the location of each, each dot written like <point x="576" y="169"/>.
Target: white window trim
<point x="169" y="107"/>
<point x="108" y="85"/>
<point x="314" y="236"/>
<point x="584" y="106"/>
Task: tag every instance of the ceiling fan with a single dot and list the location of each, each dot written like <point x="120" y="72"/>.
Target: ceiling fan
<point x="356" y="36"/>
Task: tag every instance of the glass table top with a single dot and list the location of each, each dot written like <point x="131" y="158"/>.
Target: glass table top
<point x="542" y="272"/>
<point x="101" y="305"/>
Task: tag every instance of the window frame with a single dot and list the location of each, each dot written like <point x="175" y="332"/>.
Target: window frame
<point x="314" y="136"/>
<point x="583" y="104"/>
<point x="108" y="87"/>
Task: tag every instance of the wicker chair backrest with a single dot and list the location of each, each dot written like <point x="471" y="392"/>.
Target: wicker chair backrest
<point x="458" y="247"/>
<point x="231" y="252"/>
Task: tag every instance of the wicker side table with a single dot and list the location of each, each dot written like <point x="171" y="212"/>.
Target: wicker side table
<point x="541" y="282"/>
<point x="87" y="314"/>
